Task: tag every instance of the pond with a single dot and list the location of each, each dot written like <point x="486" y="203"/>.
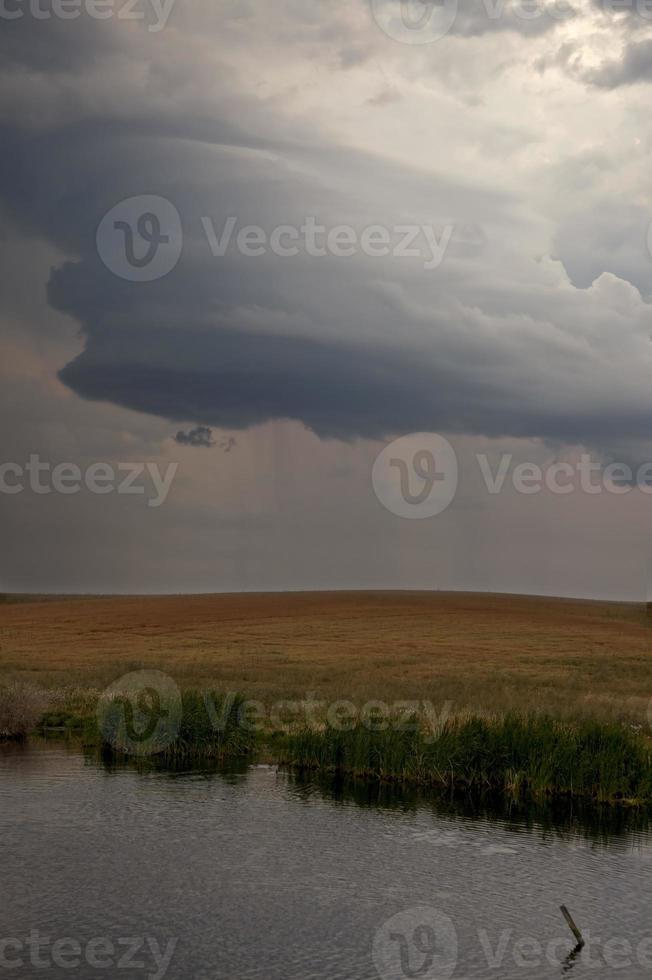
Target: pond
<point x="112" y="872"/>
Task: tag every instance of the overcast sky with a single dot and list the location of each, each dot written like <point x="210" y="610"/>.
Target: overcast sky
<point x="514" y="141"/>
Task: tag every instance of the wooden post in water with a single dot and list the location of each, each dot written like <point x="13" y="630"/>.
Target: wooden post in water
<point x="571" y="925"/>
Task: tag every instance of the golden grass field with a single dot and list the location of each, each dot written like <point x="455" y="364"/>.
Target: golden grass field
<point x="482" y="652"/>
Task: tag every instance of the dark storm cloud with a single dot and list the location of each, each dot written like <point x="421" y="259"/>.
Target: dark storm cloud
<point x="271" y="113"/>
<point x="328" y="349"/>
<point x="337" y="390"/>
<point x="60" y="181"/>
<point x="50" y="44"/>
<point x="349" y="347"/>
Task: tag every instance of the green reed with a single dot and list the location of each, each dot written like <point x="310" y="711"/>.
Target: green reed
<point x="518" y="755"/>
<point x="206" y="726"/>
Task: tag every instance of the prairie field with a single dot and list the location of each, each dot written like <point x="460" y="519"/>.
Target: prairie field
<point x="481" y="653"/>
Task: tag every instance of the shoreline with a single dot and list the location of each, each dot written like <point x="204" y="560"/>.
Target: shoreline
<point x="513" y="757"/>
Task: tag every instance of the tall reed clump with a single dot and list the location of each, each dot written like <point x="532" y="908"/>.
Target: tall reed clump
<point x="22" y="707"/>
<point x="203" y="726"/>
<point x="212" y="726"/>
<point x="517" y="755"/>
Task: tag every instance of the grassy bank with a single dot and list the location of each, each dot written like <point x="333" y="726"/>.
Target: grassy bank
<point x="516" y="756"/>
<point x="205" y="725"/>
<point x="496" y="670"/>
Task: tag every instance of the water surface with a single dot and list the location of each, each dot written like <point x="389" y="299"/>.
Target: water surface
<point x="257" y="875"/>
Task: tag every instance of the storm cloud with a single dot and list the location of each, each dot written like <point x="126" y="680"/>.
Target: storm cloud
<point x="517" y="333"/>
<point x="517" y="138"/>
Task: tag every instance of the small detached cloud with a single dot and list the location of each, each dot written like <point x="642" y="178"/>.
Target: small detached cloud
<point x="201" y="436"/>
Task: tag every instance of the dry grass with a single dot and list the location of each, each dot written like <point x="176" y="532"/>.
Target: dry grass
<point x="480" y="652"/>
<point x="21" y="708"/>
